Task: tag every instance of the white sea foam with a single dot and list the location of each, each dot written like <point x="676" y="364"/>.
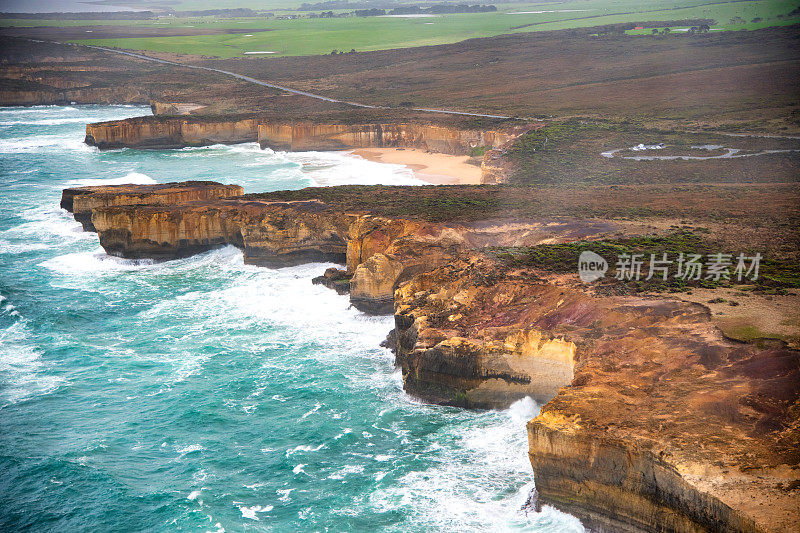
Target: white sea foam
<point x="135" y="178"/>
<point x="346" y="470"/>
<point x="312" y="411"/>
<point x="11" y="248"/>
<point x="251" y="511"/>
<point x="43" y="121"/>
<point x="46" y="226"/>
<point x="189" y="448"/>
<point x="24" y="373"/>
<point x="304" y="448"/>
<point x="462" y="488"/>
<point x="42" y="143"/>
<point x="338" y="168"/>
<point x="76" y="265"/>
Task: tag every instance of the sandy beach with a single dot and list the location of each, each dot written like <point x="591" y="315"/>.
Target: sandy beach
<point x="439" y="169"/>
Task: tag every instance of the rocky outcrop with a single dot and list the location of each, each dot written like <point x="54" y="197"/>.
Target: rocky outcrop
<point x="173" y="108"/>
<point x="334" y="278"/>
<point x="167" y="130"/>
<point x="313" y="136"/>
<point x="492" y="168"/>
<point x="464" y="338"/>
<point x="269" y="233"/>
<point x="45" y="95"/>
<point x="82" y="201"/>
<point x="171" y="132"/>
<point x="653" y="420"/>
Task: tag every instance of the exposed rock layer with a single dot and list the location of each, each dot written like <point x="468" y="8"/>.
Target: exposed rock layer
<point x="665" y="425"/>
<point x="81" y="201"/>
<point x="171" y="132"/>
<point x="658" y="423"/>
<point x="269" y="233"/>
<point x="311" y="136"/>
<point x="168" y="131"/>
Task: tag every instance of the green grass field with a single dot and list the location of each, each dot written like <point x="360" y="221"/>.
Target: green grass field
<point x="321" y="36"/>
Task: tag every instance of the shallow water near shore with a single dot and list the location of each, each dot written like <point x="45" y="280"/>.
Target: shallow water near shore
<point x="205" y="394"/>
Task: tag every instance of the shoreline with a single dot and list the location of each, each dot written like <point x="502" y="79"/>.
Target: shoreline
<point x="433" y="168"/>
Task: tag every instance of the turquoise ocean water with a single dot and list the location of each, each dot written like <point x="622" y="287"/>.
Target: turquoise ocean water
<point x="206" y="395"/>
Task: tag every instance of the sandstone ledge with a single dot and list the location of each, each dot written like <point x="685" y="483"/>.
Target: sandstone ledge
<point x="655" y="421"/>
<point x="173" y="127"/>
<point x="659" y="423"/>
<point x="81" y="201"/>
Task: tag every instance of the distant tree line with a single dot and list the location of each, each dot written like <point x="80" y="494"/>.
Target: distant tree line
<point x="87" y="15"/>
<point x="133" y="15"/>
<point x="346" y="4"/>
<point x="412" y="10"/>
<point x="441" y="9"/>
<point x="621" y="28"/>
<point x="375" y="8"/>
<point x="239" y="12"/>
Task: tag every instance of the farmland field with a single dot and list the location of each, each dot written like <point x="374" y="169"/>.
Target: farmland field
<point x="307" y="36"/>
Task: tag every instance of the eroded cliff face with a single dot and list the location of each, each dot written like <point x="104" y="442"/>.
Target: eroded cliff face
<point x="77" y="95"/>
<point x="81" y="201"/>
<point x="656" y="422"/>
<point x="269" y="233"/>
<point x="170" y="132"/>
<point x="310" y="136"/>
<point x="464" y="338"/>
<point x="375" y="249"/>
<point x="653" y="422"/>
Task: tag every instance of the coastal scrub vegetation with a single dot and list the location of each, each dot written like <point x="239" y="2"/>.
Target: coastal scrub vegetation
<point x="776" y="273"/>
<point x="585" y="150"/>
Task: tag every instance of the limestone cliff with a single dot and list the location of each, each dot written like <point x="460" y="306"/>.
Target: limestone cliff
<point x="46" y="95"/>
<point x="313" y="136"/>
<point x="654" y="421"/>
<point x="466" y="338"/>
<point x="81" y="201"/>
<point x="269" y="233"/>
<point x="658" y="422"/>
<point x="175" y="126"/>
<point x="171" y="132"/>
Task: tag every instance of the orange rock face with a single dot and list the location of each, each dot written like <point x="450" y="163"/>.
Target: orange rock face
<point x="656" y="423"/>
<point x="269" y="233"/>
<point x="446" y="140"/>
<point x="170" y="132"/>
<point x="81" y="201"/>
<point x="653" y="421"/>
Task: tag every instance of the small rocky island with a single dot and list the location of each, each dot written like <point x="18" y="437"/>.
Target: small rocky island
<point x="655" y="419"/>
